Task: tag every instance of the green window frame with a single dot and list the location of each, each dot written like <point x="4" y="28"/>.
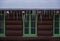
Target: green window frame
<point x="2" y="25"/>
<point x="31" y="25"/>
<point x="56" y="25"/>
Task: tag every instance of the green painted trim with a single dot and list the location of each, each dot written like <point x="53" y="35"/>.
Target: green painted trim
<point x="3" y="34"/>
<point x="23" y="22"/>
<point x="36" y="24"/>
<point x="59" y="24"/>
<point x="29" y="24"/>
<point x="29" y="35"/>
<point x="53" y="23"/>
<point x="56" y="35"/>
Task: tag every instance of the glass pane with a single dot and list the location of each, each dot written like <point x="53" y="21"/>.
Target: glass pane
<point x="33" y="17"/>
<point x="32" y="27"/>
<point x="26" y="30"/>
<point x="56" y="24"/>
<point x="32" y="31"/>
<point x="56" y="17"/>
<point x="26" y="27"/>
<point x="1" y="17"/>
<point x="56" y="27"/>
<point x="27" y="17"/>
<point x="32" y="24"/>
<point x="26" y="24"/>
<point x="56" y="31"/>
<point x="1" y="23"/>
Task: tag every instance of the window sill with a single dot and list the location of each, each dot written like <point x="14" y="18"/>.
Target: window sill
<point x="56" y="35"/>
<point x="30" y="35"/>
<point x="2" y="35"/>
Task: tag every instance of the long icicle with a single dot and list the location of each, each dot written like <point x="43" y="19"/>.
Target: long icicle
<point x="41" y="18"/>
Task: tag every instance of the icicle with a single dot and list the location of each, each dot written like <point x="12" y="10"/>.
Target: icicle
<point x="25" y="16"/>
<point x="49" y="14"/>
<point x="41" y="17"/>
<point x="57" y="12"/>
<point x="23" y="11"/>
<point x="29" y="12"/>
<point x="34" y="12"/>
<point x="20" y="14"/>
<point x="17" y="15"/>
<point x="7" y="13"/>
<point x="44" y="12"/>
<point x="54" y="12"/>
<point x="13" y="14"/>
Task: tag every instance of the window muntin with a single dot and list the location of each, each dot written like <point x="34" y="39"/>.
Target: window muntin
<point x="29" y="25"/>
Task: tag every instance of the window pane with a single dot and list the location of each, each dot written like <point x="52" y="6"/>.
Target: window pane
<point x="33" y="17"/>
<point x="1" y="17"/>
<point x="32" y="31"/>
<point x="26" y="27"/>
<point x="32" y="27"/>
<point x="56" y="31"/>
<point x="32" y="24"/>
<point x="56" y="17"/>
<point x="26" y="24"/>
<point x="27" y="17"/>
<point x="56" y="24"/>
<point x="56" y="27"/>
<point x="1" y="23"/>
<point x="26" y="30"/>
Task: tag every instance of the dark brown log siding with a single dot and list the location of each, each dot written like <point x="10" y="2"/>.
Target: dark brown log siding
<point x="14" y="27"/>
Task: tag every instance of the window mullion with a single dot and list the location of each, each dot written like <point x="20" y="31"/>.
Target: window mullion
<point x="36" y="26"/>
<point x="23" y="23"/>
<point x="29" y="24"/>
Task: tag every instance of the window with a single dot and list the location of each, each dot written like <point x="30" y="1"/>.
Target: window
<point x="56" y="26"/>
<point x="2" y="25"/>
<point x="29" y="25"/>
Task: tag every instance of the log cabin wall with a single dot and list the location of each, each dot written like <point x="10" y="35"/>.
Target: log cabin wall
<point x="14" y="28"/>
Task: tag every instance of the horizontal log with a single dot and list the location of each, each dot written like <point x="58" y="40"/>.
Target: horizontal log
<point x="45" y="33"/>
<point x="20" y="27"/>
<point x="14" y="27"/>
<point x="12" y="18"/>
<point x="19" y="22"/>
<point x="56" y="39"/>
<point x="18" y="33"/>
<point x="25" y="38"/>
<point x="13" y="33"/>
<point x="47" y="17"/>
<point x="45" y="22"/>
<point x="45" y="27"/>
